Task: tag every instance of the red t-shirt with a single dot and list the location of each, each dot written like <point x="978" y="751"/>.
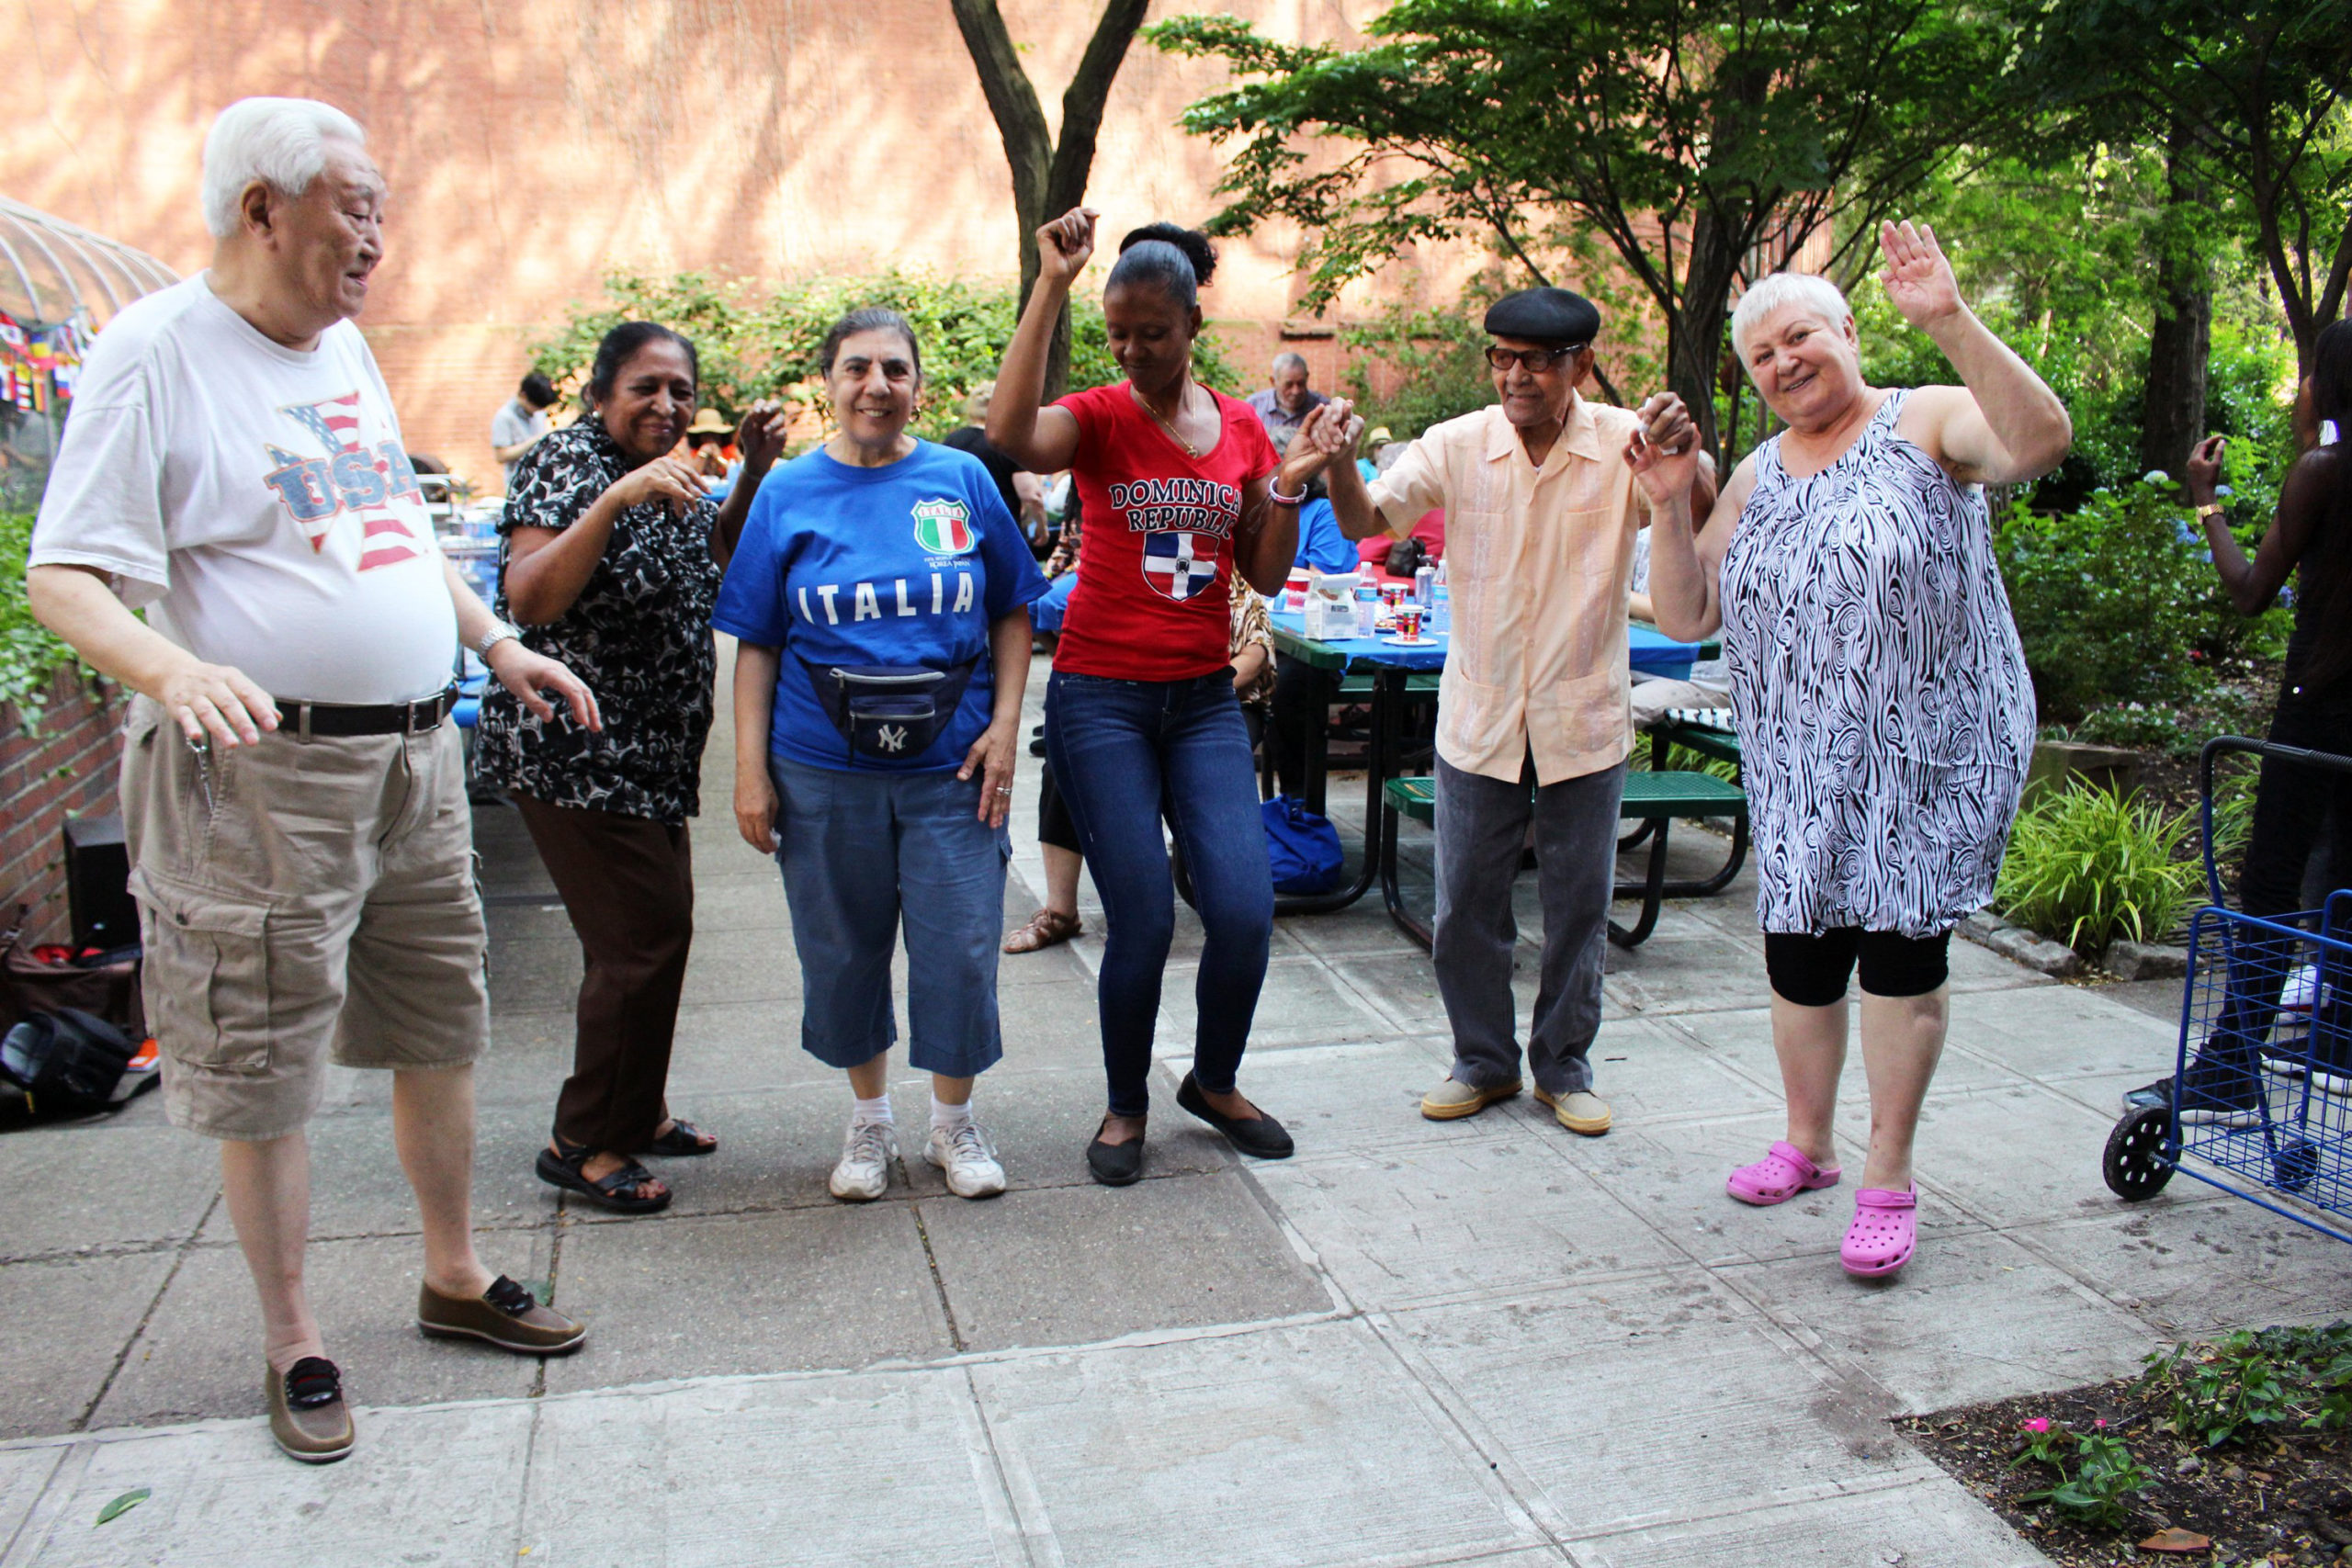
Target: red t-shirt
<point x="1155" y="574"/>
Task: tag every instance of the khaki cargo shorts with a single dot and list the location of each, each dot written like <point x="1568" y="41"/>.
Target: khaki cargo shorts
<point x="301" y="902"/>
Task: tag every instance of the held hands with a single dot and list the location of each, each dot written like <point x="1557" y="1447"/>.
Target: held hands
<point x="217" y="703"/>
<point x="991" y="756"/>
<point x="755" y="809"/>
<point x="1664" y="450"/>
<point x="2205" y="469"/>
<point x="761" y="437"/>
<point x="1917" y="278"/>
<point x="1326" y="435"/>
<point x="1064" y="245"/>
<point x="670" y="480"/>
<point x="527" y="674"/>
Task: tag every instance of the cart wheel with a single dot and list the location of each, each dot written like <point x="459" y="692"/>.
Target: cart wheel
<point x="2139" y="1155"/>
<point x="2295" y="1163"/>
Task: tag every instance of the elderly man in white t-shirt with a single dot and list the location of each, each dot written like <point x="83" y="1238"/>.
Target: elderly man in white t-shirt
<point x="291" y="788"/>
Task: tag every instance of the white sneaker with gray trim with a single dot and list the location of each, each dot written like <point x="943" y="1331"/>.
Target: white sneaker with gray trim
<point x="863" y="1171"/>
<point x="962" y="1155"/>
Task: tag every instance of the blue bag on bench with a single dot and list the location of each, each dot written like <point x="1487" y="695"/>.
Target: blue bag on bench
<point x="1303" y="846"/>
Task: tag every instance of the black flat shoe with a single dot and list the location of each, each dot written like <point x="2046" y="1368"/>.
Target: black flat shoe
<point x="1260" y="1136"/>
<point x="683" y="1141"/>
<point x="1115" y="1165"/>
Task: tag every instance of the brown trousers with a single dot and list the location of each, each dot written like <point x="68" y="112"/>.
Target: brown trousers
<point x="627" y="883"/>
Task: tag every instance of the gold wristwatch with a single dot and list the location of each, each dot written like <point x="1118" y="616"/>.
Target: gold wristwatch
<point x="2211" y="509"/>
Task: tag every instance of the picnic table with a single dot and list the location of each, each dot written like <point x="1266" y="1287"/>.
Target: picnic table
<point x="1399" y="674"/>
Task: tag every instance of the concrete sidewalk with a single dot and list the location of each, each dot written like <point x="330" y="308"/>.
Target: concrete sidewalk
<point x="1416" y="1343"/>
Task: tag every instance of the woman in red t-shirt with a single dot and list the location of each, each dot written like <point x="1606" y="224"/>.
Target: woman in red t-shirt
<point x="1181" y="490"/>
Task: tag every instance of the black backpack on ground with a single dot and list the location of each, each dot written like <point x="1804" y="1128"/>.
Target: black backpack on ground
<point x="70" y="1063"/>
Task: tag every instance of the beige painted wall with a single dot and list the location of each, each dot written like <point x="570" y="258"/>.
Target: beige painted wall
<point x="530" y="144"/>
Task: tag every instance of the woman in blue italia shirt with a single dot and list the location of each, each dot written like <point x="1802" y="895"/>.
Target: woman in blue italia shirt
<point x="880" y="596"/>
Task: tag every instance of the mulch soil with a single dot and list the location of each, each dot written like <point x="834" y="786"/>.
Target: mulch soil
<point x="2277" y="1499"/>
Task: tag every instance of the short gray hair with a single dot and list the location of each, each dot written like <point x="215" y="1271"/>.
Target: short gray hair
<point x="1782" y="288"/>
<point x="280" y="141"/>
<point x="1286" y="360"/>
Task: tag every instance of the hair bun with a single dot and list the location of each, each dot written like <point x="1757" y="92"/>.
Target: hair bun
<point x="1192" y="242"/>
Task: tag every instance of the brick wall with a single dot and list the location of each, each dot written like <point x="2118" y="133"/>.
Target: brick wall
<point x="66" y="767"/>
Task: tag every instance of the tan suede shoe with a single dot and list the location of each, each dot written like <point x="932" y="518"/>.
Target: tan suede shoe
<point x="505" y="1315"/>
<point x="1451" y="1100"/>
<point x="306" y="1415"/>
<point x="1581" y="1111"/>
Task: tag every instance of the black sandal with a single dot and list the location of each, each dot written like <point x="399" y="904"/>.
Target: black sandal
<point x="683" y="1139"/>
<point x="616" y="1191"/>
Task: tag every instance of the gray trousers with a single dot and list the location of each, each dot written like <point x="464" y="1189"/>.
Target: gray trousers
<point x="1481" y="830"/>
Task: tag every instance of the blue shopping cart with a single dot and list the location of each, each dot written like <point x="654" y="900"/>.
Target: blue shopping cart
<point x="2262" y="1086"/>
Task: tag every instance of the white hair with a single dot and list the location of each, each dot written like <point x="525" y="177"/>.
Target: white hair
<point x="280" y="141"/>
<point x="1286" y="360"/>
<point x="1770" y="294"/>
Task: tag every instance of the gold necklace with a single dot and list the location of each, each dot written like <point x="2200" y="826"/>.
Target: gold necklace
<point x="1190" y="450"/>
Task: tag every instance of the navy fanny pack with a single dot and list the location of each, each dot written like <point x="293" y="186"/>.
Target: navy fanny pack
<point x="891" y="712"/>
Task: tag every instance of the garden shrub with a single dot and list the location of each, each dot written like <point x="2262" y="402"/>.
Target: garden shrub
<point x="756" y="340"/>
<point x="2087" y="863"/>
<point x="30" y="654"/>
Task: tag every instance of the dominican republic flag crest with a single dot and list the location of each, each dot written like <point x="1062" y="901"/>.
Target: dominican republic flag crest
<point x="944" y="527"/>
<point x="1172" y="567"/>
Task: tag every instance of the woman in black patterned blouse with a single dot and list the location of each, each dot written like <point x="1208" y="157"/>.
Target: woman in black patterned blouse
<point x="613" y="552"/>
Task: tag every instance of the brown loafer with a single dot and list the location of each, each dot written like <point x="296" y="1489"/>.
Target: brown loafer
<point x="306" y="1415"/>
<point x="1047" y="928"/>
<point x="505" y="1315"/>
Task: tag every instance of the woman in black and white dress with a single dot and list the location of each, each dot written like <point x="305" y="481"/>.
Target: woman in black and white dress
<point x="1886" y="717"/>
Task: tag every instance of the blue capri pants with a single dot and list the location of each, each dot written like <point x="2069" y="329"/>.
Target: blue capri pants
<point x="864" y="852"/>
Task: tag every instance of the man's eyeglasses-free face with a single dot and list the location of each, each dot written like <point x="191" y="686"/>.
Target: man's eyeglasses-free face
<point x="1537" y="360"/>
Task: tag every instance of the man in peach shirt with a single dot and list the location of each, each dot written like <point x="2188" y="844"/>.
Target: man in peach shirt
<point x="1541" y="512"/>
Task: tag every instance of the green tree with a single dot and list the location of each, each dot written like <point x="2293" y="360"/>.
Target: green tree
<point x="1700" y="139"/>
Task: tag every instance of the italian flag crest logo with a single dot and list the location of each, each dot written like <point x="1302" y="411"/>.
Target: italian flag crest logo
<point x="944" y="527"/>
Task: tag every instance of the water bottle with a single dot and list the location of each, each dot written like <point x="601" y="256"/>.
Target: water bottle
<point x="1441" y="608"/>
<point x="1367" y="609"/>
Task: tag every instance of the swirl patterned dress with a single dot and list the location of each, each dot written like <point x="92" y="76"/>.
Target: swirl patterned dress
<point x="1884" y="713"/>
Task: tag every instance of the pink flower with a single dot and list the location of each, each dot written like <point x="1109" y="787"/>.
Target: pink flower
<point x="2039" y="1424"/>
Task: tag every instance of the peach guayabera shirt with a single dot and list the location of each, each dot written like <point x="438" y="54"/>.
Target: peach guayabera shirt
<point x="1537" y="563"/>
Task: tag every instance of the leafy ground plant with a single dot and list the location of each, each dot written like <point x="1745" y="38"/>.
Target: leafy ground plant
<point x="2234" y="1387"/>
<point x="2087" y="863"/>
<point x="2097" y="1477"/>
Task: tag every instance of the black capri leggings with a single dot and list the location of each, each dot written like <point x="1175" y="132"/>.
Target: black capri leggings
<point x="1811" y="970"/>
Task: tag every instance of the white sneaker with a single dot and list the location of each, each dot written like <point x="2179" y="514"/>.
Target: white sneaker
<point x="863" y="1173"/>
<point x="963" y="1156"/>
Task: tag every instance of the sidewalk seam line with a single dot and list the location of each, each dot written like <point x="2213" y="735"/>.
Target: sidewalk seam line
<point x="122" y="1357"/>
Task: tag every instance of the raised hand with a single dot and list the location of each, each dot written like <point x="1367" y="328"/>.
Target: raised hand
<point x="1663" y="451"/>
<point x="672" y="480"/>
<point x="2205" y="469"/>
<point x="1064" y="245"/>
<point x="1917" y="278"/>
<point x="761" y="437"/>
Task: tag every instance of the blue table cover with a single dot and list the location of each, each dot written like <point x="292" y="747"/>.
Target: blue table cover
<point x="1652" y="653"/>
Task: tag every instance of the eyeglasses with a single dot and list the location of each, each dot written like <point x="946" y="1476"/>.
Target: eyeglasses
<point x="1537" y="360"/>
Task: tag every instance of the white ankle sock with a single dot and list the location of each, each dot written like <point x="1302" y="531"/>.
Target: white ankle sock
<point x="949" y="1117"/>
<point x="874" y="1109"/>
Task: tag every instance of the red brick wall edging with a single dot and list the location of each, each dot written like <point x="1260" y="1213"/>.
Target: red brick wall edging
<point x="66" y="767"/>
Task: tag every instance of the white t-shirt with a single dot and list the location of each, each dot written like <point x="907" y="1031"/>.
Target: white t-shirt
<point x="257" y="498"/>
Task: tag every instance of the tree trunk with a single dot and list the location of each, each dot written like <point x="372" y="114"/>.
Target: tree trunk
<point x="2172" y="416"/>
<point x="1694" y="331"/>
<point x="1047" y="180"/>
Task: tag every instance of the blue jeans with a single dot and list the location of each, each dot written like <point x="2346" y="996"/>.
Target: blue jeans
<point x="864" y="852"/>
<point x="1127" y="754"/>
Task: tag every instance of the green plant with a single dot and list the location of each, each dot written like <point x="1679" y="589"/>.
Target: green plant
<point x="2105" y="1476"/>
<point x="2235" y="1386"/>
<point x="755" y="340"/>
<point x="30" y="654"/>
<point x="2087" y="864"/>
<point x="1432" y="362"/>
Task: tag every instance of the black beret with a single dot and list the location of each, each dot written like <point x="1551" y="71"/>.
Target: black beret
<point x="1544" y="315"/>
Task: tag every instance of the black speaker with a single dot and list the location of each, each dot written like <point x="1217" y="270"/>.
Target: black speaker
<point x="97" y="884"/>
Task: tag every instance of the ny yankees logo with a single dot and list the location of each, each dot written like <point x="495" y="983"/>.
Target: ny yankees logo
<point x="891" y="737"/>
<point x="350" y="477"/>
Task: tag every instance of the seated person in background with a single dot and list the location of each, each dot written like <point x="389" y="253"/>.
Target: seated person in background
<point x="1709" y="682"/>
<point x="520" y="421"/>
<point x="707" y="440"/>
<point x="1023" y="492"/>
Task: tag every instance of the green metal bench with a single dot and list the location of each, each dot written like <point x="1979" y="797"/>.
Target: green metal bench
<point x="1652" y="797"/>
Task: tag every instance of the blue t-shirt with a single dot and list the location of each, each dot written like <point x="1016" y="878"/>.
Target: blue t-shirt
<point x="1320" y="543"/>
<point x="906" y="564"/>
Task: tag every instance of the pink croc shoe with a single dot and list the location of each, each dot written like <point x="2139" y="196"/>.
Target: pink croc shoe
<point x="1778" y="1177"/>
<point x="1886" y="1229"/>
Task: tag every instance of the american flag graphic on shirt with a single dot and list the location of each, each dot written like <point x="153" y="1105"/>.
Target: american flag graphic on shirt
<point x="377" y="486"/>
